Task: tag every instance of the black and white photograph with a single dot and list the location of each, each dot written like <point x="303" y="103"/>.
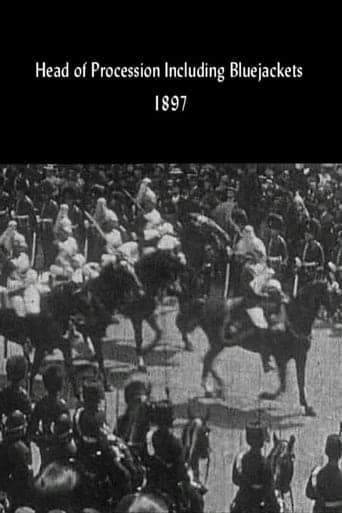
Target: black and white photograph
<point x="170" y="337"/>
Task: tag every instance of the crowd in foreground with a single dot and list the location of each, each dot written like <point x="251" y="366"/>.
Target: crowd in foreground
<point x="84" y="466"/>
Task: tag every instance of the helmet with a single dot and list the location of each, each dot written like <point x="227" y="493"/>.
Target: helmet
<point x="256" y="434"/>
<point x="162" y="413"/>
<point x="275" y="221"/>
<point x="274" y="284"/>
<point x="333" y="446"/>
<point x="313" y="226"/>
<point x="63" y="426"/>
<point x="93" y="392"/>
<point x="136" y="387"/>
<point x="53" y="378"/>
<point x="15" y="423"/>
<point x="239" y="216"/>
<point x="16" y="368"/>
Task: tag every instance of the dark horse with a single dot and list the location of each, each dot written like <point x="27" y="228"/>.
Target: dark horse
<point x="196" y="446"/>
<point x="44" y="331"/>
<point x="214" y="316"/>
<point x="116" y="290"/>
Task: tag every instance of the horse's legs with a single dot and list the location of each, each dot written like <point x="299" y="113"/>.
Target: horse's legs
<point x="181" y="326"/>
<point x="282" y="368"/>
<point x="66" y="350"/>
<point x="152" y="322"/>
<point x="37" y="361"/>
<point x="97" y="342"/>
<point x="300" y="368"/>
<point x="208" y="361"/>
<point x="137" y="327"/>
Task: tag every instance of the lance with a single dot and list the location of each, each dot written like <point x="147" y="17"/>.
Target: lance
<point x="226" y="284"/>
<point x="134" y="201"/>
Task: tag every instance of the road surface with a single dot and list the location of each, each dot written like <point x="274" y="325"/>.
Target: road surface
<point x="170" y="366"/>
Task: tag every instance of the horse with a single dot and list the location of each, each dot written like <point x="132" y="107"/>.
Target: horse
<point x="214" y="316"/>
<point x="281" y="459"/>
<point x="44" y="331"/>
<point x="116" y="290"/>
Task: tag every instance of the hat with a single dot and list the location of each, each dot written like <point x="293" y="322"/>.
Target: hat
<point x="256" y="434"/>
<point x="333" y="446"/>
<point x="136" y="386"/>
<point x="275" y="221"/>
<point x="15" y="423"/>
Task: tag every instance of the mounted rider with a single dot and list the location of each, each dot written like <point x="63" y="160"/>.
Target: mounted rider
<point x="325" y="482"/>
<point x="277" y="252"/>
<point x="46" y="412"/>
<point x="15" y="461"/>
<point x="103" y="455"/>
<point x="310" y="255"/>
<point x="67" y="247"/>
<point x="14" y="396"/>
<point x="167" y="471"/>
<point x="252" y="474"/>
<point x="16" y="282"/>
<point x="258" y="282"/>
<point x="130" y="426"/>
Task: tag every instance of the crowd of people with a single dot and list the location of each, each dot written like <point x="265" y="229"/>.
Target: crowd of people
<point x="66" y="222"/>
<point x="84" y="466"/>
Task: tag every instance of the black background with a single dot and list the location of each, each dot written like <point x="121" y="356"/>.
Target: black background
<point x="110" y="121"/>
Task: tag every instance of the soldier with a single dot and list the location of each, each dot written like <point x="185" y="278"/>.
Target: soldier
<point x="310" y="256"/>
<point x="14" y="396"/>
<point x="67" y="248"/>
<point x="133" y="425"/>
<point x="47" y="410"/>
<point x="336" y="254"/>
<point x="325" y="482"/>
<point x="25" y="214"/>
<point x="69" y="195"/>
<point x="16" y="281"/>
<point x="5" y="205"/>
<point x="61" y="444"/>
<point x="145" y="193"/>
<point x="98" y="450"/>
<point x="47" y="219"/>
<point x="252" y="474"/>
<point x="15" y="461"/>
<point x="277" y="254"/>
<point x="167" y="471"/>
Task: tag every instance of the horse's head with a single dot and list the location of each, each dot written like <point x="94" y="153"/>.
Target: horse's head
<point x="281" y="459"/>
<point x="315" y="294"/>
<point x="195" y="438"/>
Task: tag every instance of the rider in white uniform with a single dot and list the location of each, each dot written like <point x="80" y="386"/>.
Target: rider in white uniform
<point x="67" y="250"/>
<point x="16" y="282"/>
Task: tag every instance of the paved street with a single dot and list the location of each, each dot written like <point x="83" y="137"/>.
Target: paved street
<point x="169" y="366"/>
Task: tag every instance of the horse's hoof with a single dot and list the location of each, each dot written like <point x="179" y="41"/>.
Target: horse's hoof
<point x="310" y="412"/>
<point x="268" y="396"/>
